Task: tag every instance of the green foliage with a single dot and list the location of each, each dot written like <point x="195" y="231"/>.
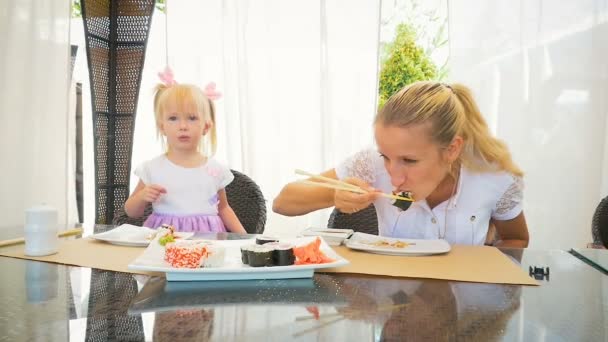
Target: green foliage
<point x="161" y="5"/>
<point x="405" y="63"/>
<point x="77" y="11"/>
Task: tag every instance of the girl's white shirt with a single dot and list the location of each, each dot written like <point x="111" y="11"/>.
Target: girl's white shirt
<point x="479" y="197"/>
<point x="190" y="191"/>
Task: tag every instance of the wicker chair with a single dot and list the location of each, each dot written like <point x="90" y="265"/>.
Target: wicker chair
<point x="599" y="224"/>
<point x="116" y="35"/>
<point x="364" y="221"/>
<point x="244" y="196"/>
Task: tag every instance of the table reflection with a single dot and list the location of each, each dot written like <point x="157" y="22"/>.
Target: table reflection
<point x="44" y="301"/>
<point x="106" y="321"/>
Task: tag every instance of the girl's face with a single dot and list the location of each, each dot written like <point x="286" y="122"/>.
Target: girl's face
<point x="414" y="162"/>
<point x="183" y="126"/>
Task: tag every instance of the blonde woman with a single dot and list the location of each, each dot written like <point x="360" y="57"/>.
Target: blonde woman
<point x="433" y="142"/>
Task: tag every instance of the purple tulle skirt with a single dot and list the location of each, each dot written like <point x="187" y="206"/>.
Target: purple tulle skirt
<point x="190" y="223"/>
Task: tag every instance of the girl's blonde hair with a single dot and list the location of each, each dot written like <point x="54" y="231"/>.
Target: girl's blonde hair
<point x="451" y="111"/>
<point x="183" y="95"/>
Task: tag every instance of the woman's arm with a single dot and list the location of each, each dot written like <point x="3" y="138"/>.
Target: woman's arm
<point x="299" y="199"/>
<point x="227" y="214"/>
<point x="512" y="233"/>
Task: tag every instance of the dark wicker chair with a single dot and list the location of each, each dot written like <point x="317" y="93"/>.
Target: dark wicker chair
<point x="599" y="224"/>
<point x="116" y="35"/>
<point x="244" y="196"/>
<point x="364" y="221"/>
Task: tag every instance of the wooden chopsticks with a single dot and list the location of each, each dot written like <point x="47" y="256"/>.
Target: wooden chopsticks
<point x="340" y="185"/>
<point x="64" y="233"/>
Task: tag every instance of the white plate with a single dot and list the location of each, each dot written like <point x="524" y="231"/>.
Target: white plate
<point x="364" y="242"/>
<point x="130" y="235"/>
<point x="152" y="259"/>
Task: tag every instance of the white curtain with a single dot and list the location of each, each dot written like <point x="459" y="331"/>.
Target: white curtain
<point x="35" y="66"/>
<point x="540" y="74"/>
<point x="34" y="71"/>
<point x="298" y="77"/>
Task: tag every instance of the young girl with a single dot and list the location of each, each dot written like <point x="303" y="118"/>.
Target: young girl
<point x="185" y="185"/>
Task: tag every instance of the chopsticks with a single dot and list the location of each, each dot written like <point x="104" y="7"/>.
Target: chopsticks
<point x="64" y="233"/>
<point x="340" y="185"/>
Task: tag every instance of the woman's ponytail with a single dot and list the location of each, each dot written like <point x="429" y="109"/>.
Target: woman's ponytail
<point x="481" y="150"/>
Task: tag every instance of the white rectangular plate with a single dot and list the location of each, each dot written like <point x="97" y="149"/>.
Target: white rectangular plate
<point x="130" y="235"/>
<point x="152" y="259"/>
<point x="364" y="242"/>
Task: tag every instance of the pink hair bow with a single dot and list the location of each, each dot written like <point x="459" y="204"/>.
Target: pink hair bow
<point x="167" y="77"/>
<point x="211" y="93"/>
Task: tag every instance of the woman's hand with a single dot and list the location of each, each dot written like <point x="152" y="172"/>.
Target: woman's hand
<point x="152" y="192"/>
<point x="351" y="202"/>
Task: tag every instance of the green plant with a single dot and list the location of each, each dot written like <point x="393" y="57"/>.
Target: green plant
<point x="77" y="11"/>
<point x="405" y="63"/>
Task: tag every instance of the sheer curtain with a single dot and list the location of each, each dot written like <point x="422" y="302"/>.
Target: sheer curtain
<point x="539" y="71"/>
<point x="34" y="64"/>
<point x="298" y="78"/>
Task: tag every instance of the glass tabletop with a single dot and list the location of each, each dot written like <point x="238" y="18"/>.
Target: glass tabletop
<point x="57" y="302"/>
<point x="597" y="258"/>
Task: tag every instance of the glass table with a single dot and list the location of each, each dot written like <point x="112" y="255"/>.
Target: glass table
<point x="44" y="301"/>
<point x="597" y="258"/>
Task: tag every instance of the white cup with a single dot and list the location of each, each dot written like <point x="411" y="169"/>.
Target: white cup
<point x="41" y="231"/>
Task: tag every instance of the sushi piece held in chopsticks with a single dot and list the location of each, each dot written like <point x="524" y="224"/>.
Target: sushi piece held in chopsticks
<point x="402" y="203"/>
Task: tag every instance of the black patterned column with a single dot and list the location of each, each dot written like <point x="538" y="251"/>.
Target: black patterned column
<point x="116" y="34"/>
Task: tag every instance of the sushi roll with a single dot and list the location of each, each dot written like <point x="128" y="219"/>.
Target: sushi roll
<point x="260" y="256"/>
<point x="262" y="240"/>
<point x="185" y="254"/>
<point x="283" y="254"/>
<point x="215" y="256"/>
<point x="401" y="203"/>
<point x="245" y="254"/>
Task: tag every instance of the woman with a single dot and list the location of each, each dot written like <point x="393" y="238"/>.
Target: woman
<point x="433" y="142"/>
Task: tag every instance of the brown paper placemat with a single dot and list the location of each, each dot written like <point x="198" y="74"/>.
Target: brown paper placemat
<point x="481" y="264"/>
<point x="463" y="263"/>
<point x="86" y="252"/>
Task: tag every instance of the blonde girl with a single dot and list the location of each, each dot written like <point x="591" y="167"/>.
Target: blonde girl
<point x="185" y="185"/>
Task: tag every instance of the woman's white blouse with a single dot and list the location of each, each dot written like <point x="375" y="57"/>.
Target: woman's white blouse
<point x="479" y="197"/>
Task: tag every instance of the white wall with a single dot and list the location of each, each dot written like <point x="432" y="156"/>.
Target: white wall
<point x="539" y="70"/>
<point x="34" y="67"/>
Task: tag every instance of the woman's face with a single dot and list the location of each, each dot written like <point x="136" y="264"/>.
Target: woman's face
<point x="413" y="161"/>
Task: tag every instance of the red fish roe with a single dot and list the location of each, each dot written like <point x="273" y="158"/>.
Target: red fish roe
<point x="185" y="256"/>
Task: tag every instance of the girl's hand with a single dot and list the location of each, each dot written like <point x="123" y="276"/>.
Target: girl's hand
<point x="350" y="202"/>
<point x="152" y="192"/>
